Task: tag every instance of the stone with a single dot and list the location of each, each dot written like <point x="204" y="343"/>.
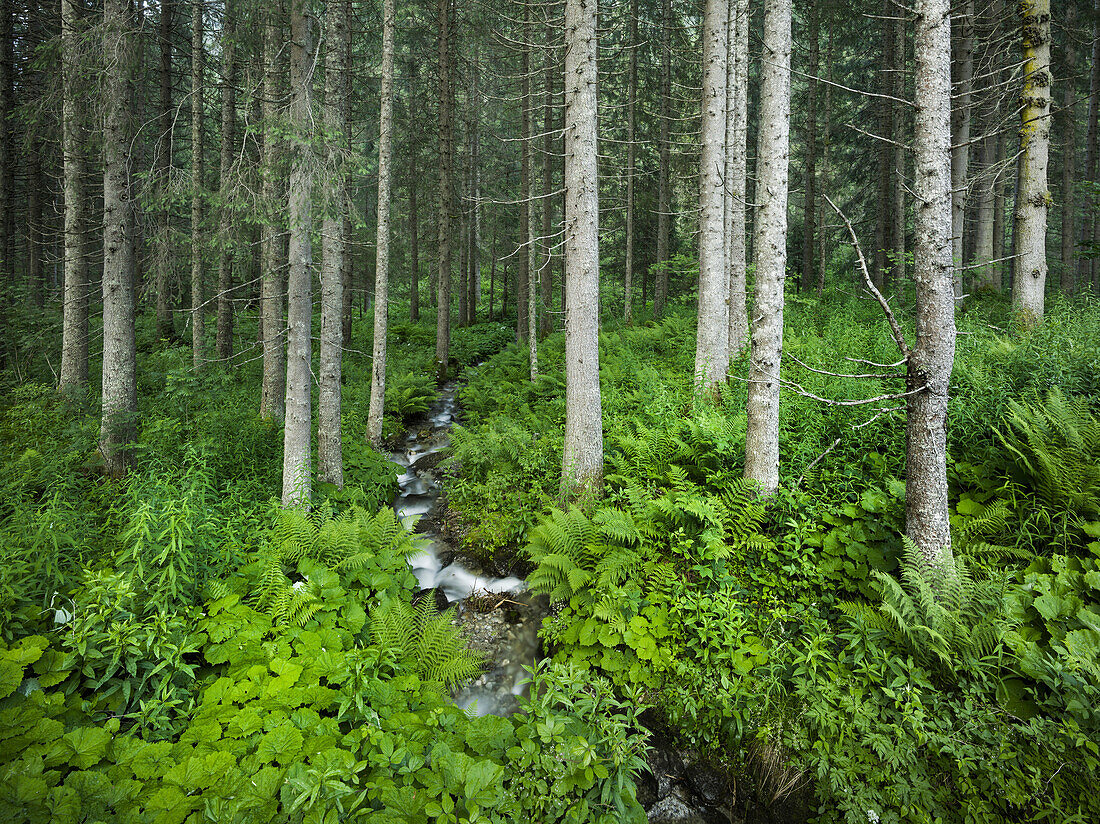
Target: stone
<point x="672" y="809"/>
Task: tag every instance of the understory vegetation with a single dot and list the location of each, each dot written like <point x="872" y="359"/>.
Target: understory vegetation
<point x="174" y="647"/>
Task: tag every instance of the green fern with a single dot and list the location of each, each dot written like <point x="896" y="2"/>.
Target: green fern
<point x="423" y="640"/>
<point x="939" y="611"/>
<point x="347" y="543"/>
<point x="1056" y="445"/>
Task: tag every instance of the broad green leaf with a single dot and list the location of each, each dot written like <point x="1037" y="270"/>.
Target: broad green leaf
<point x="88" y="745"/>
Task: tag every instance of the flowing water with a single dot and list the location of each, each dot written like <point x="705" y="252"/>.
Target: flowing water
<point x="498" y="616"/>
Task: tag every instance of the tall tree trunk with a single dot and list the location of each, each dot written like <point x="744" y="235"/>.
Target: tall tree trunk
<point x="446" y="192"/>
<point x="527" y="187"/>
<point x="901" y="140"/>
<point x="74" y="333"/>
<point x="664" y="185"/>
<point x="273" y="390"/>
<point x="631" y="103"/>
<point x="117" y="425"/>
<point x="582" y="460"/>
<point x="1069" y="154"/>
<point x="808" y="211"/>
<point x="962" y="75"/>
<point x="523" y="279"/>
<point x="769" y="250"/>
<point x="712" y="335"/>
<point x="737" y="131"/>
<point x="1087" y="266"/>
<point x="1033" y="197"/>
<point x="297" y="440"/>
<point x="330" y="456"/>
<point x="999" y="216"/>
<point x="929" y="367"/>
<point x="884" y="154"/>
<point x="164" y="131"/>
<point x="382" y="266"/>
<point x="7" y="148"/>
<point x="546" y="270"/>
<point x="414" y="238"/>
<point x="473" y="282"/>
<point x="492" y="277"/>
<point x="223" y="343"/>
<point x="198" y="312"/>
<point x="983" y="241"/>
<point x="826" y="171"/>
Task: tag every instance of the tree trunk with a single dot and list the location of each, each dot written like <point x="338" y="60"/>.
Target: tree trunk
<point x="664" y="185"/>
<point x="117" y="425"/>
<point x="983" y="241"/>
<point x="999" y="208"/>
<point x="712" y="335"/>
<point x="769" y="250"/>
<point x="1069" y="155"/>
<point x="164" y="131"/>
<point x="330" y="456"/>
<point x="808" y="270"/>
<point x="631" y="102"/>
<point x="962" y="75"/>
<point x="473" y="281"/>
<point x="445" y="194"/>
<point x="884" y="155"/>
<point x="273" y="390"/>
<point x="223" y="342"/>
<point x="929" y="367"/>
<point x="901" y="140"/>
<point x="1087" y="266"/>
<point x="382" y="265"/>
<point x="1032" y="197"/>
<point x="7" y="149"/>
<point x="297" y="440"/>
<point x="414" y="212"/>
<point x="74" y="334"/>
<point x="527" y="196"/>
<point x="826" y="143"/>
<point x="523" y="279"/>
<point x="198" y="319"/>
<point x="582" y="461"/>
<point x="737" y="132"/>
<point x="546" y="270"/>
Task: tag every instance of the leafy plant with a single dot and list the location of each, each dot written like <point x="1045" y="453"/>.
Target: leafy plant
<point x="939" y="613"/>
<point x="424" y="641"/>
<point x="409" y="394"/>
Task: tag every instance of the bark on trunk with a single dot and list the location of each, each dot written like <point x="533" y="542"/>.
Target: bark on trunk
<point x="223" y="338"/>
<point x="165" y="119"/>
<point x="582" y="461"/>
<point x="1069" y="155"/>
<point x="962" y="74"/>
<point x="330" y="457"/>
<point x="901" y="140"/>
<point x="198" y="314"/>
<point x="808" y="270"/>
<point x="74" y="333"/>
<point x="999" y="207"/>
<point x="382" y="265"/>
<point x="273" y="388"/>
<point x="929" y="367"/>
<point x="1033" y="197"/>
<point x="546" y="271"/>
<point x="826" y="143"/>
<point x="983" y="242"/>
<point x="297" y="440"/>
<point x="7" y="149"/>
<point x="664" y="185"/>
<point x="631" y="102"/>
<point x="712" y="331"/>
<point x="445" y="194"/>
<point x="117" y="425"/>
<point x="414" y="212"/>
<point x="769" y="250"/>
<point x="1086" y="266"/>
<point x="523" y="279"/>
<point x="528" y="256"/>
<point x="737" y="125"/>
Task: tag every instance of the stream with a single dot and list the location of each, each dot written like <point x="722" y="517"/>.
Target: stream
<point x="498" y="616"/>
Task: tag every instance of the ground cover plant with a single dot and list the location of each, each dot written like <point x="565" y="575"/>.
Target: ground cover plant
<point x="177" y="647"/>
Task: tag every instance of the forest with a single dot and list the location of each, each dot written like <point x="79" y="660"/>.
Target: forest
<point x="569" y="411"/>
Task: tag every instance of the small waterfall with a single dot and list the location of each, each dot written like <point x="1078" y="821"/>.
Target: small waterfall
<point x="498" y="615"/>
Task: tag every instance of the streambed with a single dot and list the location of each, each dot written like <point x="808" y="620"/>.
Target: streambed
<point x="499" y="617"/>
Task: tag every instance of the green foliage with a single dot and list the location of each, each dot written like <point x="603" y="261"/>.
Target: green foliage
<point x="423" y="641"/>
<point x="1054" y="447"/>
<point x="940" y="613"/>
<point x="409" y="394"/>
<point x="317" y="548"/>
